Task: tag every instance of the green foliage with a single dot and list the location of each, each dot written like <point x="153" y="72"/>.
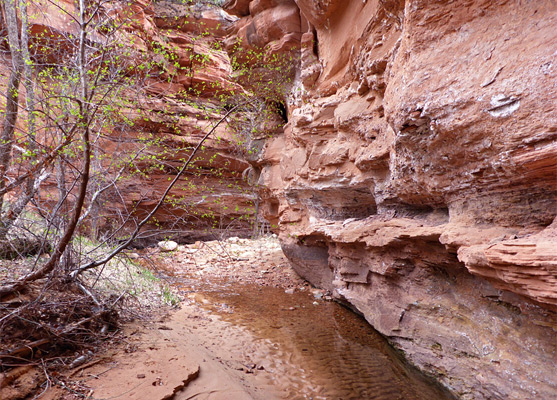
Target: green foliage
<point x="169" y="297"/>
<point x="141" y="129"/>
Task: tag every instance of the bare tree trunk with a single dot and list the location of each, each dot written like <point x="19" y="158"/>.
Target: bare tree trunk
<point x="6" y="140"/>
<point x="12" y="105"/>
<point x="59" y="213"/>
<point x="82" y="192"/>
<point x="255" y="220"/>
<point x="21" y="60"/>
<point x="49" y="266"/>
<point x="29" y="189"/>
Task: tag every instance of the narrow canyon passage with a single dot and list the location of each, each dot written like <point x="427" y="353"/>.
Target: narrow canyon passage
<point x="403" y="152"/>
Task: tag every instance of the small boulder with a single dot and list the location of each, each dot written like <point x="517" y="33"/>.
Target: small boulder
<point x="167" y="245"/>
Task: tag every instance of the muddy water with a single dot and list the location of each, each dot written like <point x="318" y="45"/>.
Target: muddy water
<point x="300" y="347"/>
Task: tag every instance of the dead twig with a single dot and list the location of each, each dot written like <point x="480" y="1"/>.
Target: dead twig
<point x="22" y="351"/>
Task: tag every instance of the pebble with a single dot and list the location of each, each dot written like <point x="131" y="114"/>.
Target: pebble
<point x="289" y="291"/>
<point x="190" y="251"/>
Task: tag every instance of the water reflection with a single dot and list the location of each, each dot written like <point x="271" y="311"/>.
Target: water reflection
<point x="317" y="351"/>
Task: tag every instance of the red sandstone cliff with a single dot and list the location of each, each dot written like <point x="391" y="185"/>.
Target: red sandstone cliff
<point x="174" y="107"/>
<point x="416" y="177"/>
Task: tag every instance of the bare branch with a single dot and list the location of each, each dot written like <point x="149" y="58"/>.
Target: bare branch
<point x="132" y="237"/>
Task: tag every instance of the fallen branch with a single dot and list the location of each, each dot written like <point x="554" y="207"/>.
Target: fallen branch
<point x="23" y="352"/>
<point x="10" y="376"/>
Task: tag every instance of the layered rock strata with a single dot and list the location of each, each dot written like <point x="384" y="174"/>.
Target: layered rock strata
<point x="185" y="74"/>
<point x="182" y="103"/>
<point x="416" y="178"/>
<point x="416" y="175"/>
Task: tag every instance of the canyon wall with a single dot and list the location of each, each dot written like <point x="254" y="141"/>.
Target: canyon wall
<point x="176" y="53"/>
<point x="181" y="104"/>
<point x="416" y="176"/>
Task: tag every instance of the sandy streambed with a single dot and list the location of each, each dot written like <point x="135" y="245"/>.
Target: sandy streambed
<point x="249" y="328"/>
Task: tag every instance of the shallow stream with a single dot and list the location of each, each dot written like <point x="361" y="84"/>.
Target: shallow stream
<point x="293" y="346"/>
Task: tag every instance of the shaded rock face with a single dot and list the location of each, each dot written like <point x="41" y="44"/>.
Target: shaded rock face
<point x="177" y="105"/>
<point x="213" y="195"/>
<point x="416" y="180"/>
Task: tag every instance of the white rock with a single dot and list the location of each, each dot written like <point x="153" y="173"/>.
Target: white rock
<point x="167" y="245"/>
